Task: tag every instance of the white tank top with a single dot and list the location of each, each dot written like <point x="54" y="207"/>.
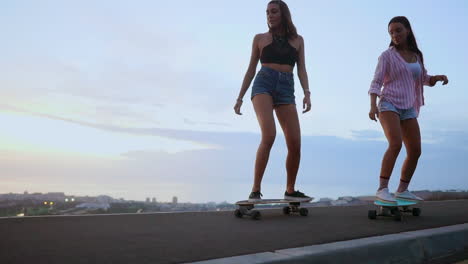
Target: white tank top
<point x="415" y="69"/>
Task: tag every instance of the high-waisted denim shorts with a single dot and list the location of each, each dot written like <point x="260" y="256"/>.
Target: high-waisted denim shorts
<point x="280" y="85"/>
<point x="403" y="113"/>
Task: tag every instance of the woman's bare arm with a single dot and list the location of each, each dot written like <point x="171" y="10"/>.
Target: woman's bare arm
<point x="250" y="74"/>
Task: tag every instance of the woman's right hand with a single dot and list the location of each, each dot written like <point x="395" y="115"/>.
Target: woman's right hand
<point x="237" y="107"/>
<point x="374" y="113"/>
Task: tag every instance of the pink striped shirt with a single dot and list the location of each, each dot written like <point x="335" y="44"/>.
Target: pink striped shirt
<point x="399" y="86"/>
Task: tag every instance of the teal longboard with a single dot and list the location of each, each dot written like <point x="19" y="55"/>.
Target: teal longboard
<point x="247" y="208"/>
<point x="394" y="210"/>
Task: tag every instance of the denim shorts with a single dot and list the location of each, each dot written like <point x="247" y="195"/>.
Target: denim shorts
<point x="279" y="85"/>
<point x="403" y="113"/>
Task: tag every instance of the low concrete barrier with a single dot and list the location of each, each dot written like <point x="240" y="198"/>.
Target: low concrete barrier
<point x="408" y="247"/>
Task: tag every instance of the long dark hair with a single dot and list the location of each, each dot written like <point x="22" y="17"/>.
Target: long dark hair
<point x="411" y="40"/>
<point x="286" y="20"/>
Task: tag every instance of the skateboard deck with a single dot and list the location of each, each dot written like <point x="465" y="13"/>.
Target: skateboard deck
<point x="398" y="203"/>
<point x="394" y="210"/>
<point x="272" y="201"/>
<point x="246" y="207"/>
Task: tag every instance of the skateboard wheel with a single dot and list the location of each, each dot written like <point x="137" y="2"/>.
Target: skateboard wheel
<point x="397" y="215"/>
<point x="256" y="215"/>
<point x="372" y="214"/>
<point x="286" y="210"/>
<point x="416" y="211"/>
<point x="303" y="211"/>
<point x="238" y="213"/>
<point x="386" y="212"/>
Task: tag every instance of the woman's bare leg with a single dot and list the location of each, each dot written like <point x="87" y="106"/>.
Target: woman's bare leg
<point x="412" y="139"/>
<point x="263" y="105"/>
<point x="289" y="121"/>
<point x="390" y="122"/>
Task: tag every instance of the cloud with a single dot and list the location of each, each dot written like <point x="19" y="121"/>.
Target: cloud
<point x="333" y="164"/>
<point x="201" y="139"/>
<point x="367" y="134"/>
<point x="190" y="122"/>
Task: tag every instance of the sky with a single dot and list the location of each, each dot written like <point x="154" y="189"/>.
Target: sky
<point x="135" y="99"/>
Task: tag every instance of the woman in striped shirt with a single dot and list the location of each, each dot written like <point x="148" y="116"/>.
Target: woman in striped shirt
<point x="401" y="72"/>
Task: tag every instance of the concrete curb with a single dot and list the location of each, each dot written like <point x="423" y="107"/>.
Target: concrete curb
<point x="408" y="247"/>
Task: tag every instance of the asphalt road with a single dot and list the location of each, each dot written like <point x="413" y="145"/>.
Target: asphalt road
<point x="185" y="237"/>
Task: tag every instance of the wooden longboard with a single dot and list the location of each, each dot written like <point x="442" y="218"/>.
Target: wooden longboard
<point x="246" y="207"/>
<point x="272" y="201"/>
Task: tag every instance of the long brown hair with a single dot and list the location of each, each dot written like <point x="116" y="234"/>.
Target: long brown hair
<point x="411" y="40"/>
<point x="286" y="20"/>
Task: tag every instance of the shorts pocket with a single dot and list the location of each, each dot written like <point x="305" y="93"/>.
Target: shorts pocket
<point x="263" y="79"/>
<point x="263" y="74"/>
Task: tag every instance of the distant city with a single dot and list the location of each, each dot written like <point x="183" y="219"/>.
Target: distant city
<point x="58" y="203"/>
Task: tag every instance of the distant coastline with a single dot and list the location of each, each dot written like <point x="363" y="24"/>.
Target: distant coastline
<point x="58" y="203"/>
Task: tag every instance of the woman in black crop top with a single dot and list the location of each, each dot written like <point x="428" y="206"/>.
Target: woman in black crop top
<point x="278" y="50"/>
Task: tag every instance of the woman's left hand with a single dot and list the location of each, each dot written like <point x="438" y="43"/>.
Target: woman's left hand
<point x="442" y="78"/>
<point x="237" y="107"/>
<point x="306" y="104"/>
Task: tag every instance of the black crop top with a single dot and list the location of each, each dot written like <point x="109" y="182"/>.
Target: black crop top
<point x="279" y="51"/>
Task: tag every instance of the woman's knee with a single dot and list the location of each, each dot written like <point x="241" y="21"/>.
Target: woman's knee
<point x="268" y="139"/>
<point x="395" y="146"/>
<point x="414" y="152"/>
<point x="294" y="146"/>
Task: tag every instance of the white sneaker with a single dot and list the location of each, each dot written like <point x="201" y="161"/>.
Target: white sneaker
<point x="385" y="196"/>
<point x="407" y="195"/>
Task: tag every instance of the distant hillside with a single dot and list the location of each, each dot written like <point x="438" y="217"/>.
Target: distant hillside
<point x="442" y="195"/>
<point x="430" y="195"/>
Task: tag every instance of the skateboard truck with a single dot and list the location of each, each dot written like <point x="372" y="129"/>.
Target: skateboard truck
<point x="393" y="210"/>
